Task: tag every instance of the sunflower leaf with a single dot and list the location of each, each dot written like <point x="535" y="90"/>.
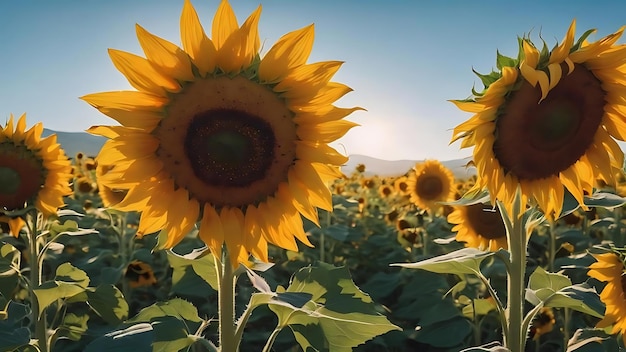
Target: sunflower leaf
<point x="68" y="282"/>
<point x="108" y="302"/>
<point x="176" y="307"/>
<point x="325" y="310"/>
<point x="462" y="261"/>
<point x="202" y="265"/>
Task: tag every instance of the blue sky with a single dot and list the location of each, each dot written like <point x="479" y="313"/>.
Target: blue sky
<point x="404" y="59"/>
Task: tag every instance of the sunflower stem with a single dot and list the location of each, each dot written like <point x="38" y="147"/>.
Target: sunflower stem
<point x="552" y="246"/>
<point x="516" y="339"/>
<point x="226" y="302"/>
<point x="38" y="318"/>
<point x="271" y="339"/>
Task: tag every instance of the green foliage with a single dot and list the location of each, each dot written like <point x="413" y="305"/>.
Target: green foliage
<point x="337" y="315"/>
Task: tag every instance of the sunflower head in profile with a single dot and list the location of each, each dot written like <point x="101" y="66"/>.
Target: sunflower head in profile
<point x="109" y="196"/>
<point x="546" y="121"/>
<point x="429" y="184"/>
<point x="33" y="172"/>
<point x="609" y="268"/>
<point x="216" y="133"/>
<point x="479" y="226"/>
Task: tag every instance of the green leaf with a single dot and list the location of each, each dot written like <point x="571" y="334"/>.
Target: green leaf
<point x="9" y="260"/>
<point x="12" y="334"/>
<point x="69" y="281"/>
<point x="581" y="297"/>
<point x="175" y="307"/>
<point x="345" y="315"/>
<point x="479" y="306"/>
<point x="170" y="334"/>
<point x="490" y="347"/>
<point x="604" y="200"/>
<point x="73" y="326"/>
<point x="591" y="340"/>
<point x="541" y="279"/>
<point x="108" y="301"/>
<point x="68" y="273"/>
<point x="201" y="261"/>
<point x="129" y="339"/>
<point x="462" y="261"/>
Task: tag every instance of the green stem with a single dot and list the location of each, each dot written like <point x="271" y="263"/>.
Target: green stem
<point x="499" y="307"/>
<point x="38" y="318"/>
<point x="567" y="316"/>
<point x="271" y="339"/>
<point x="516" y="338"/>
<point x="552" y="247"/>
<point x="226" y="302"/>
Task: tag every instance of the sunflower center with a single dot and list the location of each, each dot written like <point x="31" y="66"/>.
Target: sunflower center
<point x="229" y="147"/>
<point x="228" y="141"/>
<point x="486" y="221"/>
<point x="540" y="138"/>
<point x="21" y="176"/>
<point x="557" y="123"/>
<point x="429" y="187"/>
<point x="9" y="180"/>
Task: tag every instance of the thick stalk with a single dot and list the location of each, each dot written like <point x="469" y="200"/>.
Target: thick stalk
<point x="38" y="318"/>
<point x="226" y="302"/>
<point x="552" y="245"/>
<point x="516" y="338"/>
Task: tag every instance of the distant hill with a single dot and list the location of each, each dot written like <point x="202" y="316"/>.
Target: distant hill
<point x="74" y="142"/>
<point x="385" y="168"/>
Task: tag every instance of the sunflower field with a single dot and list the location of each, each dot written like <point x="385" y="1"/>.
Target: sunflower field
<point x="217" y="217"/>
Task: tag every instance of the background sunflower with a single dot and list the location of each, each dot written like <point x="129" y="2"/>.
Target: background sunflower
<point x="430" y="184"/>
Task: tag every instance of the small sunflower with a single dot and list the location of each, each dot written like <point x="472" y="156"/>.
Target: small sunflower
<point x="547" y="120"/>
<point x="609" y="268"/>
<point x="109" y="196"/>
<point x="215" y="133"/>
<point x="385" y="191"/>
<point x="430" y="184"/>
<point x="479" y="226"/>
<point x="543" y="323"/>
<point x="401" y="186"/>
<point x="33" y="172"/>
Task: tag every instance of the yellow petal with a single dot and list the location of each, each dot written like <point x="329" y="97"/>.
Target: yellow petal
<point x="141" y="74"/>
<point x="211" y="230"/>
<point x="559" y="53"/>
<point x="291" y="50"/>
<point x="168" y="57"/>
<point x="224" y="24"/>
<point x="325" y="132"/>
<point x="195" y="42"/>
<point x="319" y="152"/>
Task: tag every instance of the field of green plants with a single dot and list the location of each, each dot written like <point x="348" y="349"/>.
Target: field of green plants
<point x="217" y="216"/>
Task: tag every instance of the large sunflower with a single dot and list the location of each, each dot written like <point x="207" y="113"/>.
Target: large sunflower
<point x="218" y="134"/>
<point x="610" y="269"/>
<point x="33" y="172"/>
<point x="430" y="184"/>
<point x="479" y="226"/>
<point x="546" y="121"/>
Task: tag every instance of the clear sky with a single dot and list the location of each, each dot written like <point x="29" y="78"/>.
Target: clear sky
<point x="404" y="59"/>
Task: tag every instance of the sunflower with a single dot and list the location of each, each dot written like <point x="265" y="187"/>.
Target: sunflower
<point x="401" y="186"/>
<point x="430" y="184"/>
<point x="33" y="172"/>
<point x="609" y="268"/>
<point x="109" y="196"/>
<point x="385" y="191"/>
<point x="547" y="120"/>
<point x="479" y="226"/>
<point x="215" y="133"/>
